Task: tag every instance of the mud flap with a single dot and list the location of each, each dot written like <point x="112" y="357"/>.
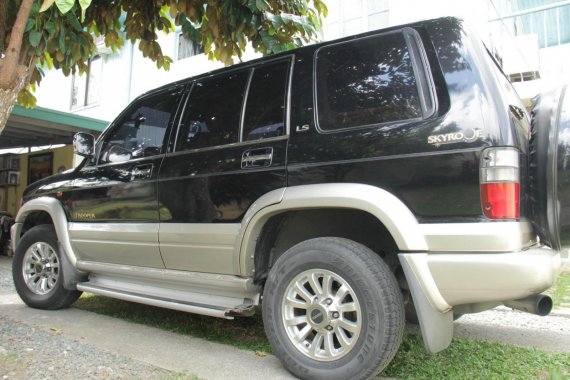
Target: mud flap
<point x="434" y="314"/>
<point x="71" y="276"/>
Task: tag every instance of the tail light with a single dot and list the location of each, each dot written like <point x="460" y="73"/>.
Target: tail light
<point x="500" y="183"/>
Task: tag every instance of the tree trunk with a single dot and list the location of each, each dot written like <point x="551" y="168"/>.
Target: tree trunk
<point x="3" y="18"/>
<point x="13" y="75"/>
<point x="9" y="96"/>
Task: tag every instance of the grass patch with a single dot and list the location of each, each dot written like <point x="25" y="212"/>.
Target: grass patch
<point x="246" y="333"/>
<point x="464" y="359"/>
<point x="560" y="293"/>
<point x="471" y="359"/>
<point x="181" y="376"/>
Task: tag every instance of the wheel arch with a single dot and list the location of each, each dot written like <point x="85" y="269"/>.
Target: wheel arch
<point x="44" y="207"/>
<point x="267" y="212"/>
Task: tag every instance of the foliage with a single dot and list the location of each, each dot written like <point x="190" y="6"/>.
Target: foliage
<point x="464" y="359"/>
<point x="560" y="292"/>
<point x="60" y="33"/>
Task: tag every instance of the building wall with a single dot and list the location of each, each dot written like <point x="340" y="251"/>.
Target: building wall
<point x="10" y="196"/>
<point x="356" y="16"/>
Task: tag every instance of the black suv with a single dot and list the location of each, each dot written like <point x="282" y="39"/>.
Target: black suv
<point x="341" y="186"/>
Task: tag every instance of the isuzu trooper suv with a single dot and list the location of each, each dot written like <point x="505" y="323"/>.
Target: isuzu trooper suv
<point x="341" y="186"/>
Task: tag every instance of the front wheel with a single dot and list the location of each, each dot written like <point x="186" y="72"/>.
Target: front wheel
<point x="332" y="309"/>
<point x="37" y="271"/>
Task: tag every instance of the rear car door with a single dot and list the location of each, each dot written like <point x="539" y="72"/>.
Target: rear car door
<point x="230" y="149"/>
<point x="114" y="203"/>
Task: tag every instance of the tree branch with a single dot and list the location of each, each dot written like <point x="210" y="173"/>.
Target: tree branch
<point x="11" y="60"/>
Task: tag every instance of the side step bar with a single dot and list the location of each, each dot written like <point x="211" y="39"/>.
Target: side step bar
<point x="229" y="313"/>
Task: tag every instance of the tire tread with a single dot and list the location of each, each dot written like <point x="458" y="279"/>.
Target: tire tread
<point x="384" y="282"/>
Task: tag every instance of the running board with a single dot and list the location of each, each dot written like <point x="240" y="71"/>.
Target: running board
<point x="223" y="296"/>
<point x="229" y="313"/>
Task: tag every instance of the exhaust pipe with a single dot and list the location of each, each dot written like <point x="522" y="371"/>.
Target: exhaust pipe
<point x="539" y="304"/>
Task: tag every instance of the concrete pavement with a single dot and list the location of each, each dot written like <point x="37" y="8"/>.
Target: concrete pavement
<point x="152" y="346"/>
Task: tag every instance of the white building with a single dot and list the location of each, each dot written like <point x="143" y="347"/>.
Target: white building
<point x="531" y="38"/>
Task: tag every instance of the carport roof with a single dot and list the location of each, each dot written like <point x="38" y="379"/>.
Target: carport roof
<point x="41" y="126"/>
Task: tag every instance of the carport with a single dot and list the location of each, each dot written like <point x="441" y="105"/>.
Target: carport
<point x="37" y="127"/>
<point x="41" y="126"/>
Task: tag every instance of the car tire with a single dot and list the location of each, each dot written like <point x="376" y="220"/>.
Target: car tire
<point x="332" y="309"/>
<point x="37" y="271"/>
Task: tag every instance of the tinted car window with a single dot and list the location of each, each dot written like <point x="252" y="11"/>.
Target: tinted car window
<point x="364" y="82"/>
<point x="265" y="109"/>
<point x="213" y="112"/>
<point x="140" y="133"/>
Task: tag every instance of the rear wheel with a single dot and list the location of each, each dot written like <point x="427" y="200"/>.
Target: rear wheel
<point x="332" y="309"/>
<point x="37" y="271"/>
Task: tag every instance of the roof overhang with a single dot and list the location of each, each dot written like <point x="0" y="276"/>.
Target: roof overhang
<point x="41" y="126"/>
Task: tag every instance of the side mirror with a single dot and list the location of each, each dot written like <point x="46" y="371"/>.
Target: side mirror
<point x="84" y="144"/>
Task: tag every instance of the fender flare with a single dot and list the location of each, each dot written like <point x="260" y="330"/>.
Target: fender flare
<point x="53" y="207"/>
<point x="388" y="209"/>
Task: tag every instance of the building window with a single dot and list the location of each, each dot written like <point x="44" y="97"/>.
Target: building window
<point x="86" y="88"/>
<point x="545" y="18"/>
<point x="524" y="77"/>
<point x="187" y="47"/>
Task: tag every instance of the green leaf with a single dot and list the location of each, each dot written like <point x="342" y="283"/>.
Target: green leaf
<point x="35" y="38"/>
<point x="64" y="5"/>
<point x="49" y="61"/>
<point x="84" y="4"/>
<point x="30" y="25"/>
<point x="261" y="5"/>
<point x="74" y="22"/>
<point x="50" y="27"/>
<point x="46" y="4"/>
<point x="322" y="8"/>
<point x="62" y="46"/>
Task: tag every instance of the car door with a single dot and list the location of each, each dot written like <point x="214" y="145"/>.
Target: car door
<point x="230" y="149"/>
<point x="114" y="203"/>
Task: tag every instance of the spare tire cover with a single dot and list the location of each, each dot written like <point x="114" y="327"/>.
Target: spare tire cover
<point x="549" y="167"/>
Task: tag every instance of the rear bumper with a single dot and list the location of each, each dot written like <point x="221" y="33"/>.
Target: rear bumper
<point x="450" y="279"/>
<point x="483" y="277"/>
<point x="440" y="281"/>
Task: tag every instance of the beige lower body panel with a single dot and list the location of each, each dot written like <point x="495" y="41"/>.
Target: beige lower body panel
<point x="116" y="243"/>
<point x="200" y="247"/>
<point x="478" y="237"/>
<point x="466" y="278"/>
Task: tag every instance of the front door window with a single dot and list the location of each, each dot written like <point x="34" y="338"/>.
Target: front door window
<point x="141" y="130"/>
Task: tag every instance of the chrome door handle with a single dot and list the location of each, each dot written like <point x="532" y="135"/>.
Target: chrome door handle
<point x="141" y="172"/>
<point x="257" y="158"/>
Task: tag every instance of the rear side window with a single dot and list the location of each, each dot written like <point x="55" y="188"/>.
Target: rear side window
<point x="366" y="82"/>
<point x="265" y="109"/>
<point x="213" y="112"/>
